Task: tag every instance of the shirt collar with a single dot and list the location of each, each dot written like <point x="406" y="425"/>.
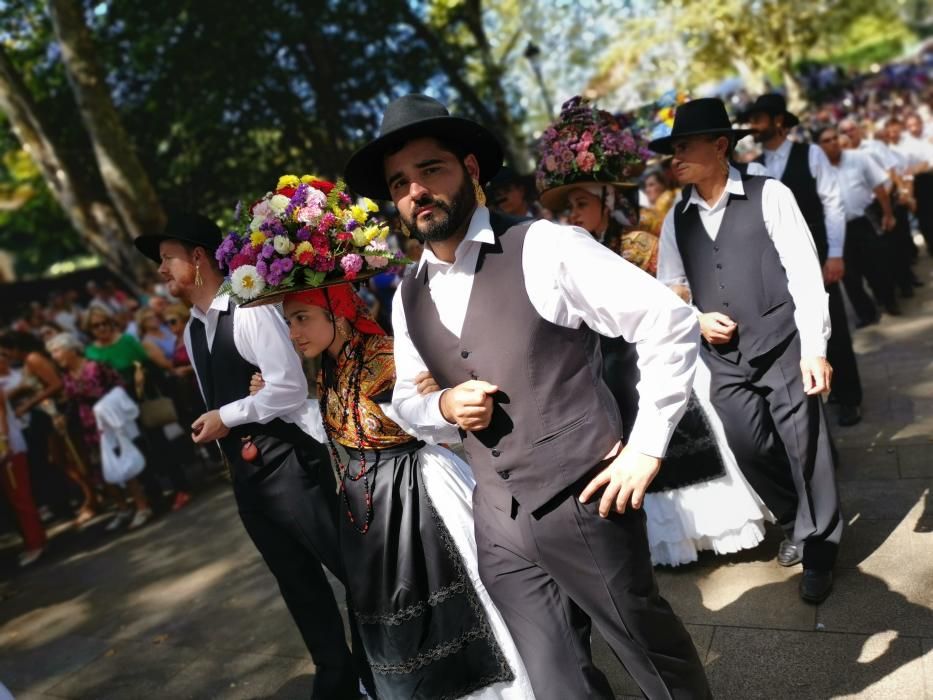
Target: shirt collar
<point x="479" y="231"/>
<point x="734" y="186"/>
<point x="780" y="151"/>
<point x="219" y="304"/>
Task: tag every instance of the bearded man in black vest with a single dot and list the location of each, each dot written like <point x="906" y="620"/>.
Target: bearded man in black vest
<point x="282" y="479"/>
<point x="741" y="244"/>
<point x="805" y="170"/>
<point x="504" y="315"/>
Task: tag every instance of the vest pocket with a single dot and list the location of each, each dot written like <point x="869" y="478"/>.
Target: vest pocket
<point x="560" y="432"/>
<point x="774" y="308"/>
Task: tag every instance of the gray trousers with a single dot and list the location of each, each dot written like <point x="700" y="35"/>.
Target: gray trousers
<point x="553" y="572"/>
<point x="781" y="441"/>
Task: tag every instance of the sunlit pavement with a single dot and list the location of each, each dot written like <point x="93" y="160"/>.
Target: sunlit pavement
<point x="184" y="608"/>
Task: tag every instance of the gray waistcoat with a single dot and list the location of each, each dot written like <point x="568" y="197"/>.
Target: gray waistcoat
<point x="739" y="274"/>
<point x="554" y="418"/>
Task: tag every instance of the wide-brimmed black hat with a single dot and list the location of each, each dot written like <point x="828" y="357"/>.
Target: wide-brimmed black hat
<point x="706" y="115"/>
<point x="410" y="117"/>
<point x="772" y="104"/>
<point x="190" y="228"/>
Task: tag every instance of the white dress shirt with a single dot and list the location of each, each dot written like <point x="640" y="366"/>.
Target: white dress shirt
<point x="570" y="279"/>
<point x="794" y="244"/>
<point x="827" y="186"/>
<point x="859" y="175"/>
<point x="261" y="338"/>
<point x="883" y="154"/>
<point x="915" y="151"/>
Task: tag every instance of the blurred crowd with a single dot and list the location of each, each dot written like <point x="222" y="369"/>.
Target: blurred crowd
<point x="58" y="361"/>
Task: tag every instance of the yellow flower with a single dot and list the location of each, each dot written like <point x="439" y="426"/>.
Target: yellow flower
<point x="358" y="213"/>
<point x="308" y="179"/>
<point x="365" y="235"/>
<point x="369" y="205"/>
<point x="303" y="247"/>
<point x="288" y="181"/>
<point x="257" y="238"/>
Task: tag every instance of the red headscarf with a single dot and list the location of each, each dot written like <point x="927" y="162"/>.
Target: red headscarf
<point x="342" y="302"/>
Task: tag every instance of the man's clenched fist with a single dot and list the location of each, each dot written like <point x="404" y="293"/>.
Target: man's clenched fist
<point x="469" y="405"/>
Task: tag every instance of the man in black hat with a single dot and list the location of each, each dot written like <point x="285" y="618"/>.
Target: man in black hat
<point x="508" y="194"/>
<point x="805" y="169"/>
<point x="285" y="492"/>
<point x="504" y="315"/>
<point x="742" y="246"/>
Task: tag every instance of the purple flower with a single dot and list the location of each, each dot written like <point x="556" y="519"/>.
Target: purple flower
<point x="286" y="264"/>
<point x="262" y="269"/>
<point x="304" y="234"/>
<point x="268" y="250"/>
<point x="351" y="225"/>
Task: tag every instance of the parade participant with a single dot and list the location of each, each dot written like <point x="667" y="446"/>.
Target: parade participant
<point x="413" y="500"/>
<point x="894" y="164"/>
<point x="659" y="197"/>
<point x="764" y="326"/>
<point x="510" y="194"/>
<point x="504" y="317"/>
<point x="286" y="494"/>
<point x="867" y="254"/>
<point x="804" y="169"/>
<point x="700" y="499"/>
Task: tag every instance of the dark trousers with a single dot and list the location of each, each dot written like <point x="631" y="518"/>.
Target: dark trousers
<point x="554" y="572"/>
<point x="847" y="385"/>
<point x="867" y="257"/>
<point x="290" y="513"/>
<point x="903" y="249"/>
<point x="781" y="441"/>
<point x="923" y="193"/>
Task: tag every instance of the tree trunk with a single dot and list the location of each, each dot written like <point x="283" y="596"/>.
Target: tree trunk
<point x="88" y="217"/>
<point x="127" y="183"/>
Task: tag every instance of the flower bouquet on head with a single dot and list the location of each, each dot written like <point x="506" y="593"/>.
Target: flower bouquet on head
<point x="307" y="233"/>
<point x="587" y="144"/>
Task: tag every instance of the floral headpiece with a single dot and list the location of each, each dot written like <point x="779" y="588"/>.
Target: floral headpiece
<point x="586" y="144"/>
<point x="308" y="233"/>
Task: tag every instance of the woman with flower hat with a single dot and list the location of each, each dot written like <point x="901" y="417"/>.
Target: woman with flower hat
<point x="699" y="499"/>
<point x="427" y="623"/>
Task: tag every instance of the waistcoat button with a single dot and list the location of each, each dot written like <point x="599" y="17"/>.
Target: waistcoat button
<point x="726" y="304"/>
<point x="505" y="474"/>
<point x="496" y="453"/>
<point x="718" y="266"/>
<point x="716" y="248"/>
<point x="464" y="354"/>
<point x="722" y="286"/>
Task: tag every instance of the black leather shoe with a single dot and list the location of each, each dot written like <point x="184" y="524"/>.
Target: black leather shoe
<point x="789" y="553"/>
<point x="848" y="415"/>
<point x="815" y="585"/>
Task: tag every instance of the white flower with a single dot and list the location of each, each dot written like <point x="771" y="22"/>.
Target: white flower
<point x="283" y="246"/>
<point x="246" y="282"/>
<point x="258" y="220"/>
<point x="278" y="204"/>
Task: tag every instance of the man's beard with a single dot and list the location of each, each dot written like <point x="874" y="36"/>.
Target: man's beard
<point x="440" y="229"/>
<point x="765" y="134"/>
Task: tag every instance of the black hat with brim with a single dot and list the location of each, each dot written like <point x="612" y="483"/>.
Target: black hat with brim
<point x="192" y="229"/>
<point x="771" y="104"/>
<point x="416" y="116"/>
<point x="702" y="117"/>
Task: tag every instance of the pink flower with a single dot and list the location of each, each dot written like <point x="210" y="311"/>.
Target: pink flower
<point x="550" y="163"/>
<point x="308" y="214"/>
<point x="351" y="264"/>
<point x="586" y="161"/>
<point x="376" y="261"/>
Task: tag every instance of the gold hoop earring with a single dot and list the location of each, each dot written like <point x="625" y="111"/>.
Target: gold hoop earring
<point x="198" y="280"/>
<point x="480" y="195"/>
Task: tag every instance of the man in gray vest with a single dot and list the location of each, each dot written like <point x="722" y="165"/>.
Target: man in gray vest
<point x="742" y="246"/>
<point x="505" y="317"/>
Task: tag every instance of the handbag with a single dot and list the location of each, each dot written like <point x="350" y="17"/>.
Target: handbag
<point x="156" y="412"/>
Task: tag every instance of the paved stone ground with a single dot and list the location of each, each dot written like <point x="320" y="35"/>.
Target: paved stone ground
<point x="185" y="608"/>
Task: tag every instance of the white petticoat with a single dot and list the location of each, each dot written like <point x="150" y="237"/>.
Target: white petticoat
<point x="449" y="483"/>
<point x="723" y="515"/>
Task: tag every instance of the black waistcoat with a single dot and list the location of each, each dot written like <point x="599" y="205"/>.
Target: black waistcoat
<point x="800" y="181"/>
<point x="224" y="377"/>
<point x="739" y="274"/>
<point x="554" y="418"/>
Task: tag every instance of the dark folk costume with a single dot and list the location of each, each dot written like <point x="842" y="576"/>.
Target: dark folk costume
<point x="425" y="627"/>
<point x="778" y="434"/>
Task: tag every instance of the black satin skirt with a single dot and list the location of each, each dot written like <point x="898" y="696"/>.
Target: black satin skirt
<point x="692" y="456"/>
<point x="424" y="629"/>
